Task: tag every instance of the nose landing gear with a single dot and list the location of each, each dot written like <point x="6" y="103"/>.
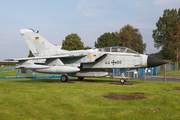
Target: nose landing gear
<point x="122" y="80"/>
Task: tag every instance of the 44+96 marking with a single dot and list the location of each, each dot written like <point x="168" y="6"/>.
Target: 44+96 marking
<point x="113" y="62"/>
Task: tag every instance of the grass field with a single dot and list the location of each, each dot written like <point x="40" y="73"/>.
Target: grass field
<point x="171" y="73"/>
<point x="46" y="99"/>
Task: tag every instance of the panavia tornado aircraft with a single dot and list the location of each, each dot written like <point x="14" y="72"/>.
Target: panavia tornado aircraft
<point x="80" y="63"/>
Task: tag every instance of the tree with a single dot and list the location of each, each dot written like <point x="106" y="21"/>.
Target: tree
<point x="166" y="34"/>
<point x="131" y="38"/>
<point x="159" y="54"/>
<point x="85" y="48"/>
<point x="30" y="54"/>
<point x="175" y="36"/>
<point x="72" y="42"/>
<point x="107" y="40"/>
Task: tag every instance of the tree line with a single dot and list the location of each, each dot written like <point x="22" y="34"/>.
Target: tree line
<point x="127" y="37"/>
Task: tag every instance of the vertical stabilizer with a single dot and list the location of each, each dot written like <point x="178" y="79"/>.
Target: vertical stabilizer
<point x="37" y="44"/>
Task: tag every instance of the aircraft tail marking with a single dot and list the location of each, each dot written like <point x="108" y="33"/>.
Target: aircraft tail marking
<point x="37" y="44"/>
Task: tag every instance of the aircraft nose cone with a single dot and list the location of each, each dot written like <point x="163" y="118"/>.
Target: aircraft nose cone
<point x="153" y="61"/>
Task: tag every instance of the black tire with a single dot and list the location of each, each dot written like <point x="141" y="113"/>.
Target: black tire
<point x="122" y="81"/>
<point x="80" y="78"/>
<point x="64" y="78"/>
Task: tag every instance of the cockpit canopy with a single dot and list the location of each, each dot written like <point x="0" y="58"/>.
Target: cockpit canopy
<point x="117" y="49"/>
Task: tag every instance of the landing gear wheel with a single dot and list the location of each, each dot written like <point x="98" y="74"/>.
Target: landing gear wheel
<point x="64" y="78"/>
<point x="80" y="78"/>
<point x="122" y="81"/>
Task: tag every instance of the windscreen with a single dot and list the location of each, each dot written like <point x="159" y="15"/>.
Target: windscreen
<point x="117" y="49"/>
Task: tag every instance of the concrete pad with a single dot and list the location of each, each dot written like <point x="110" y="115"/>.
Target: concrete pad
<point x="126" y="83"/>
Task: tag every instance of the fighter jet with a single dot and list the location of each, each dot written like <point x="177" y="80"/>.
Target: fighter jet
<point x="80" y="63"/>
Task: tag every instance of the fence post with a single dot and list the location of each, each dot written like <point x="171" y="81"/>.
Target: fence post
<point x="156" y="70"/>
<point x="144" y="74"/>
<point x="16" y="73"/>
<point x="151" y="71"/>
<point x="128" y="73"/>
<point x="164" y="72"/>
<point x="35" y="75"/>
<point x="113" y="74"/>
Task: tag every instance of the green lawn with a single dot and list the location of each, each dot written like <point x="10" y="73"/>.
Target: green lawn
<point x="8" y="73"/>
<point x="45" y="99"/>
<point x="171" y="73"/>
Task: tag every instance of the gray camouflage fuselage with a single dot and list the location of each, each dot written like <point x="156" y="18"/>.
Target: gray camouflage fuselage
<point x="80" y="63"/>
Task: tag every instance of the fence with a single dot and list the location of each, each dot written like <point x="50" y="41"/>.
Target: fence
<point x="7" y="72"/>
<point x="149" y="71"/>
<point x="12" y="73"/>
<point x="169" y="67"/>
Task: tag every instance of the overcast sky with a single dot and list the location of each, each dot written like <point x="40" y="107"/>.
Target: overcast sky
<point x="55" y="19"/>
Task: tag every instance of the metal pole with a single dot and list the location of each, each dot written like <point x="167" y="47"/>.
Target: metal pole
<point x="156" y="70"/>
<point x="16" y="73"/>
<point x="177" y="57"/>
<point x="137" y="72"/>
<point x="113" y="72"/>
<point x="144" y="74"/>
<point x="128" y="73"/>
<point x="164" y="72"/>
<point x="151" y="71"/>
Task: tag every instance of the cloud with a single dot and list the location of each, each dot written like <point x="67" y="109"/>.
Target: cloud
<point x="158" y="2"/>
<point x="140" y="3"/>
<point x="89" y="8"/>
<point x="118" y="24"/>
<point x="167" y="3"/>
<point x="80" y="6"/>
<point x="90" y="12"/>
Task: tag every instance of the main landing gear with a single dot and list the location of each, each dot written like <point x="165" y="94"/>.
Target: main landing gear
<point x="122" y="80"/>
<point x="64" y="78"/>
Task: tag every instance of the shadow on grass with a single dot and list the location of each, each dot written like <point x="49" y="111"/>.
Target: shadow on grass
<point x="73" y="80"/>
<point x="37" y="80"/>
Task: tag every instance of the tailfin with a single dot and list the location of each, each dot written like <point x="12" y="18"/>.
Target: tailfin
<point x="37" y="44"/>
